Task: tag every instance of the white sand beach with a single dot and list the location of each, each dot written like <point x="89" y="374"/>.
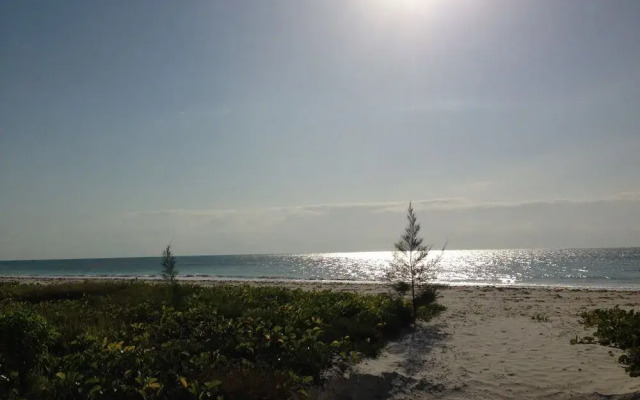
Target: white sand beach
<point x="498" y="343"/>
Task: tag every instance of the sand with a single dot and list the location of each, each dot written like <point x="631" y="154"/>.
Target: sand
<point x="497" y="343"/>
<point x="490" y="343"/>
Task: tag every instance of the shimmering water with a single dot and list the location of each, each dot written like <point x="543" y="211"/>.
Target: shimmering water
<point x="606" y="268"/>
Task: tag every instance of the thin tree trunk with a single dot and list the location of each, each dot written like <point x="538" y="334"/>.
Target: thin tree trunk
<point x="413" y="297"/>
<point x="413" y="284"/>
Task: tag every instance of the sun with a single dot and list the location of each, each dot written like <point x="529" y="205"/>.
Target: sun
<point x="404" y="10"/>
<point x="406" y="5"/>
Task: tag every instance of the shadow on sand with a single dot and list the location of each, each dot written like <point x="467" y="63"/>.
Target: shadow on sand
<point x="393" y="372"/>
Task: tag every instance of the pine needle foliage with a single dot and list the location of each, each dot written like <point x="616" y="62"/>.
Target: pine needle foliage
<point x="169" y="271"/>
<point x="411" y="263"/>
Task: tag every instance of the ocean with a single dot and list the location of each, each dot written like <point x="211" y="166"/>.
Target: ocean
<point x="615" y="268"/>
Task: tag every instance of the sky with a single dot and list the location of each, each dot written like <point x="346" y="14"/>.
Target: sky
<point x="228" y="127"/>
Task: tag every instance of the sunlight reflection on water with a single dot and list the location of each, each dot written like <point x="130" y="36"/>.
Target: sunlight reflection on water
<point x="569" y="267"/>
<point x="532" y="266"/>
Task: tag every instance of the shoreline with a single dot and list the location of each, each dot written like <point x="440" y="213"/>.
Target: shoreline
<point x="209" y="280"/>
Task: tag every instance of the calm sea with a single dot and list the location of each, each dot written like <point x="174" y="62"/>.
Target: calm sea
<point x="600" y="268"/>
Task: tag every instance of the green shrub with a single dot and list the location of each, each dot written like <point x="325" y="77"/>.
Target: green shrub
<point x="427" y="294"/>
<point x="63" y="291"/>
<point x="401" y="288"/>
<point x="238" y="342"/>
<point x="25" y="338"/>
<point x="539" y="317"/>
<point x="618" y="328"/>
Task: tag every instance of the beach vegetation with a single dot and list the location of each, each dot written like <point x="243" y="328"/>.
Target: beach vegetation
<point x="169" y="270"/>
<point x="411" y="268"/>
<point x="401" y="288"/>
<point x="25" y="338"/>
<point x="540" y="317"/>
<point x="128" y="340"/>
<point x="618" y="328"/>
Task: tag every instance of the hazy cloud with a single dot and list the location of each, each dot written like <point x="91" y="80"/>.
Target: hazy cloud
<point x="454" y="203"/>
<point x="465" y="223"/>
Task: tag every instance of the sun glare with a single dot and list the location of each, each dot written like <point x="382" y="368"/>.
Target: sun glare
<point x="393" y="12"/>
<point x="406" y="6"/>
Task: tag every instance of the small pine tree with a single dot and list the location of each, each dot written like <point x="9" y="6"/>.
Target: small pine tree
<point x="169" y="271"/>
<point x="410" y="263"/>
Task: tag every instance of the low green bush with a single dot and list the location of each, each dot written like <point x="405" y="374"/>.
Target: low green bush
<point x="617" y="328"/>
<point x="401" y="288"/>
<point x="64" y="291"/>
<point x="427" y="307"/>
<point x="25" y="338"/>
<point x="133" y="341"/>
<point x="427" y="294"/>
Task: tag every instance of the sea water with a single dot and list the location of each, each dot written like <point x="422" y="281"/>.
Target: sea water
<point x="597" y="268"/>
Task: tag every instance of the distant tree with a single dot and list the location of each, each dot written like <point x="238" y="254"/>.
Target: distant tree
<point x="169" y="271"/>
<point x="410" y="262"/>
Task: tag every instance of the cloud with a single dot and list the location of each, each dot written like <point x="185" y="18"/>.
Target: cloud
<point x="444" y="204"/>
<point x="611" y="221"/>
<point x="310" y="209"/>
<point x="599" y="222"/>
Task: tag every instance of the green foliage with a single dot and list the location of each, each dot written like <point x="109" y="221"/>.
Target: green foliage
<point x="130" y="341"/>
<point x="410" y="267"/>
<point x="618" y="328"/>
<point x="426" y="295"/>
<point x="539" y="317"/>
<point x="25" y="338"/>
<point x="426" y="312"/>
<point x="425" y="301"/>
<point x="401" y="287"/>
<point x="63" y="291"/>
<point x="169" y="271"/>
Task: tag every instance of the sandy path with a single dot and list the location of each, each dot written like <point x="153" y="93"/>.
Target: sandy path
<point x="487" y="346"/>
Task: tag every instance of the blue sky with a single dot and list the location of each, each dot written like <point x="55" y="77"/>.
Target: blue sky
<point x="300" y="126"/>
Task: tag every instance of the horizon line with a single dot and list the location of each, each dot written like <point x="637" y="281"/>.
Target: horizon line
<point x="317" y="252"/>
